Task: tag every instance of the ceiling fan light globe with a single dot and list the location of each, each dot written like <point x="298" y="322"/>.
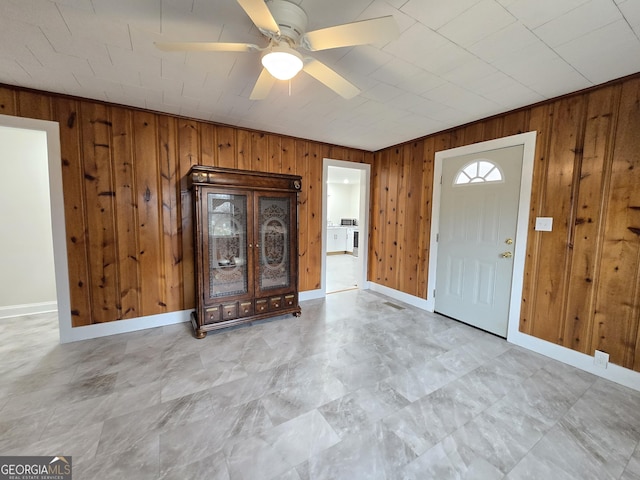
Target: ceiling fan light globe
<point x="282" y="63"/>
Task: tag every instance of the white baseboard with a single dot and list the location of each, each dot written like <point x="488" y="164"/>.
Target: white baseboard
<point x="28" y="309"/>
<point x="122" y="326"/>
<point x="87" y="332"/>
<point x="311" y="295"/>
<point x="403" y="297"/>
<point x="615" y="373"/>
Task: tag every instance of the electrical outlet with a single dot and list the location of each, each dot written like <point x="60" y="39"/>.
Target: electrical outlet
<point x="600" y="359"/>
<point x="544" y="224"/>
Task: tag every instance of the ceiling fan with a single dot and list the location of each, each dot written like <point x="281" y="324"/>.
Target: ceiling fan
<point x="284" y="23"/>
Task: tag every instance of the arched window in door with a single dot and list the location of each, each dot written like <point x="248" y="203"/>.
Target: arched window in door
<point x="479" y="171"/>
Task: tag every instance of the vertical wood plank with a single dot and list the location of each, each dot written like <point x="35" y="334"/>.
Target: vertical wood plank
<point x="208" y="145"/>
<point x="8" y="101"/>
<point x="515" y="123"/>
<point x="391" y="233"/>
<point x="401" y="219"/>
<point x="243" y="137"/>
<point x="188" y="155"/>
<point x="493" y="128"/>
<point x="373" y="259"/>
<point x="594" y="170"/>
<point x="426" y="203"/>
<point x="259" y="152"/>
<point x="103" y="256"/>
<point x="335" y="152"/>
<point x="302" y="169"/>
<point x="382" y="217"/>
<point x="274" y="155"/>
<point x="617" y="304"/>
<point x="226" y="141"/>
<point x="66" y="113"/>
<point x="412" y="178"/>
<point x="314" y="220"/>
<point x="557" y="203"/>
<point x="126" y="207"/>
<point x="172" y="259"/>
<point x="150" y="230"/>
<point x="288" y="156"/>
<point x="540" y="121"/>
<point x="473" y="133"/>
<point x="457" y="138"/>
<point x="34" y="105"/>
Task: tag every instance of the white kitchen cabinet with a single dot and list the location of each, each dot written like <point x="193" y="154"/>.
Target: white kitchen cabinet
<point x="336" y="239"/>
<point x="350" y="239"/>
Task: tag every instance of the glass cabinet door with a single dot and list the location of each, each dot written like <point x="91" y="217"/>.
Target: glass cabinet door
<point x="226" y="247"/>
<point x="274" y="257"/>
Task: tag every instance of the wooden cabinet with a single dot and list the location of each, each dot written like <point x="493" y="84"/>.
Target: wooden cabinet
<point x="246" y="246"/>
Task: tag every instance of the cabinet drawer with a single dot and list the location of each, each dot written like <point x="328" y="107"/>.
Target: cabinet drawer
<point x="289" y="300"/>
<point x="246" y="309"/>
<point x="275" y="303"/>
<point x="212" y="315"/>
<point x="230" y="311"/>
<point x="261" y="305"/>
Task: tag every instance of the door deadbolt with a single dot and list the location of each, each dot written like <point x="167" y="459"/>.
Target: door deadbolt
<point x="506" y="255"/>
<point x="509" y="241"/>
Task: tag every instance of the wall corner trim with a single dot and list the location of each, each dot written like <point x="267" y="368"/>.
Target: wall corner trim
<point x="27" y="309"/>
<point x="412" y="300"/>
<point x="311" y="295"/>
<point x="614" y="373"/>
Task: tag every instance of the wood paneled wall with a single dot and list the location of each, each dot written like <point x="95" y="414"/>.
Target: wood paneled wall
<point x="582" y="281"/>
<point x="127" y="208"/>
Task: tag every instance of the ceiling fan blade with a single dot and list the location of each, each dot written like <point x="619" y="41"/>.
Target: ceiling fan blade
<point x="375" y="30"/>
<point x="206" y="47"/>
<point x="263" y="86"/>
<point x="331" y="79"/>
<point x="260" y="15"/>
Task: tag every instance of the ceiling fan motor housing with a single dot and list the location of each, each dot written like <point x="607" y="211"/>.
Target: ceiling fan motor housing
<point x="291" y="19"/>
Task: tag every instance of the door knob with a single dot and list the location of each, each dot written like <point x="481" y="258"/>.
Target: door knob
<point x="506" y="255"/>
<point x="509" y="241"/>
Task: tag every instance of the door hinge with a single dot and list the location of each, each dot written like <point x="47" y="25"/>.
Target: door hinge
<point x="434" y="293"/>
<point x="440" y="179"/>
<point x="437" y="237"/>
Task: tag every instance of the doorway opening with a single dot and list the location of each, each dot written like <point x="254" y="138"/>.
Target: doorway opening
<point x="516" y="245"/>
<point x="344" y="225"/>
<point x="55" y="204"/>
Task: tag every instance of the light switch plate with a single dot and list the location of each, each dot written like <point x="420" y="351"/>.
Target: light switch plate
<point x="544" y="224"/>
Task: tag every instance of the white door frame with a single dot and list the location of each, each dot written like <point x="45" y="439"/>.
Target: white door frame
<point x="58" y="230"/>
<point x="528" y="140"/>
<point x="363" y="226"/>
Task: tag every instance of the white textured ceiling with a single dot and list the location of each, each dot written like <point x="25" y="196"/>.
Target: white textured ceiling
<point x="455" y="61"/>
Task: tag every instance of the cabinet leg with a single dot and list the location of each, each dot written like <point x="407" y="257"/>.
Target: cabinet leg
<point x="200" y="334"/>
<point x="297" y="314"/>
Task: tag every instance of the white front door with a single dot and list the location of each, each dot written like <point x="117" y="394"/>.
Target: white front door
<point x="478" y="217"/>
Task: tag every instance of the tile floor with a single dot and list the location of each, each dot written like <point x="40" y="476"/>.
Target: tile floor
<point x="353" y="389"/>
<point x="341" y="273"/>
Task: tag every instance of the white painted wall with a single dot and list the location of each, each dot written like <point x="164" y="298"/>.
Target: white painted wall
<point x="343" y="201"/>
<point x="27" y="275"/>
